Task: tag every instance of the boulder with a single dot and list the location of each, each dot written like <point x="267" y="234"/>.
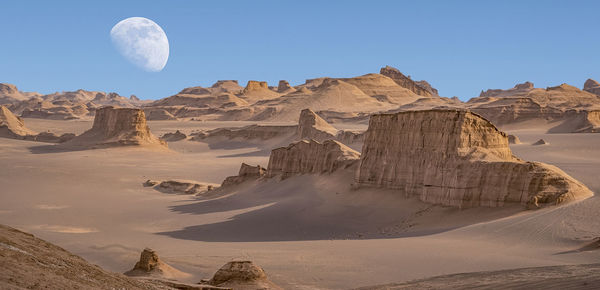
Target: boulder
<point x="242" y="275"/>
<point x="456" y="158"/>
<point x="592" y="86"/>
<point x="310" y="156"/>
<point x="117" y="127"/>
<point x="541" y="142"/>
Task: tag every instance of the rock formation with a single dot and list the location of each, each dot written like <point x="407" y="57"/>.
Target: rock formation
<point x="181" y="186"/>
<point x="117" y="127"/>
<point x="310" y="156"/>
<point x="173" y="137"/>
<point x="540" y="142"/>
<point x="11" y="126"/>
<point x="242" y="275"/>
<point x="247" y="172"/>
<point x="311" y="126"/>
<point x="456" y="158"/>
<point x="151" y="265"/>
<point x="592" y="86"/>
<point x="512" y="139"/>
<point x="284" y="87"/>
<point x="31" y="263"/>
<point x="406" y="82"/>
<point x="158" y="115"/>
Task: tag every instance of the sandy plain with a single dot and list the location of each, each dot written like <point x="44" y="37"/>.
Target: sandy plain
<point x="307" y="232"/>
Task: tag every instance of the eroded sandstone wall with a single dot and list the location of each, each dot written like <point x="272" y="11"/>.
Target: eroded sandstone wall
<point x="456" y="158"/>
<point x="309" y="156"/>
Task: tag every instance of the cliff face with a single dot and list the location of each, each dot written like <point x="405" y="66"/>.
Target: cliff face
<point x="309" y="156"/>
<point x="456" y="158"/>
<point x="118" y="126"/>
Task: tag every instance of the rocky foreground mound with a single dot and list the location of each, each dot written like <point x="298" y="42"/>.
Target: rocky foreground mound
<point x="243" y="275"/>
<point x="456" y="158"/>
<point x="11" y="126"/>
<point x="117" y="127"/>
<point x="31" y="263"/>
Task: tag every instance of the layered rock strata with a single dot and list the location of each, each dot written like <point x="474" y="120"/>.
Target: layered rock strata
<point x="117" y="127"/>
<point x="310" y="156"/>
<point x="456" y="158"/>
<point x="247" y="172"/>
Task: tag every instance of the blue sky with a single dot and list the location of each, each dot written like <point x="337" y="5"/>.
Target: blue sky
<point x="460" y="47"/>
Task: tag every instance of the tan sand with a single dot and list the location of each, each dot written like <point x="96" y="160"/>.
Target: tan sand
<point x="306" y="232"/>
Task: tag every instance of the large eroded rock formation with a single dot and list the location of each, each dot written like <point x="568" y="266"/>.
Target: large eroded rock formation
<point x="456" y="158"/>
<point x="310" y="156"/>
<point x="117" y="127"/>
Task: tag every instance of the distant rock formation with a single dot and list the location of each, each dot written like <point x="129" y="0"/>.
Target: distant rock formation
<point x="150" y="265"/>
<point x="540" y="142"/>
<point x="183" y="187"/>
<point x="284" y="87"/>
<point x="117" y="127"/>
<point x="311" y="126"/>
<point x="310" y="156"/>
<point x="456" y="158"/>
<point x="134" y="98"/>
<point x="247" y="172"/>
<point x="173" y="137"/>
<point x="255" y="86"/>
<point x="406" y="82"/>
<point x="524" y="87"/>
<point x="11" y="126"/>
<point x="512" y="139"/>
<point x="592" y="86"/>
<point x="242" y="275"/>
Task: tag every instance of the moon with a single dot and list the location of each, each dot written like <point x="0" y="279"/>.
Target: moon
<point x="142" y="42"/>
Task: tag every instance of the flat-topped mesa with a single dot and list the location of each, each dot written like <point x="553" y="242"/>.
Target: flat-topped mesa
<point x="247" y="172"/>
<point x="456" y="158"/>
<point x="405" y="81"/>
<point x="116" y="127"/>
<point x="310" y="157"/>
<point x="255" y="85"/>
<point x="311" y="126"/>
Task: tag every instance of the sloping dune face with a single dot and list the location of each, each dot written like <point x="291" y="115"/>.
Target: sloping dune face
<point x="457" y="158"/>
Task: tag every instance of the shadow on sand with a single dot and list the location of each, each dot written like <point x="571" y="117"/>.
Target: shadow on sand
<point x="307" y="208"/>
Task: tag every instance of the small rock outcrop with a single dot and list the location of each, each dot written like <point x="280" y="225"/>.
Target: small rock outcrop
<point x="311" y="126"/>
<point x="310" y="156"/>
<point x="456" y="158"/>
<point x="406" y="82"/>
<point x="152" y="266"/>
<point x="541" y="142"/>
<point x="512" y="139"/>
<point x="247" y="172"/>
<point x="12" y="126"/>
<point x="117" y="127"/>
<point x="592" y="86"/>
<point x="242" y="275"/>
<point x="182" y="187"/>
<point x="284" y="87"/>
<point x="159" y="115"/>
<point x="173" y="137"/>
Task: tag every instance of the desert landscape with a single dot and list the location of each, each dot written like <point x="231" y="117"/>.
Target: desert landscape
<point x="299" y="145"/>
<point x="407" y="186"/>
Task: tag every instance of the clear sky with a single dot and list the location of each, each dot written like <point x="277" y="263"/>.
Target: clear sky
<point x="460" y="47"/>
